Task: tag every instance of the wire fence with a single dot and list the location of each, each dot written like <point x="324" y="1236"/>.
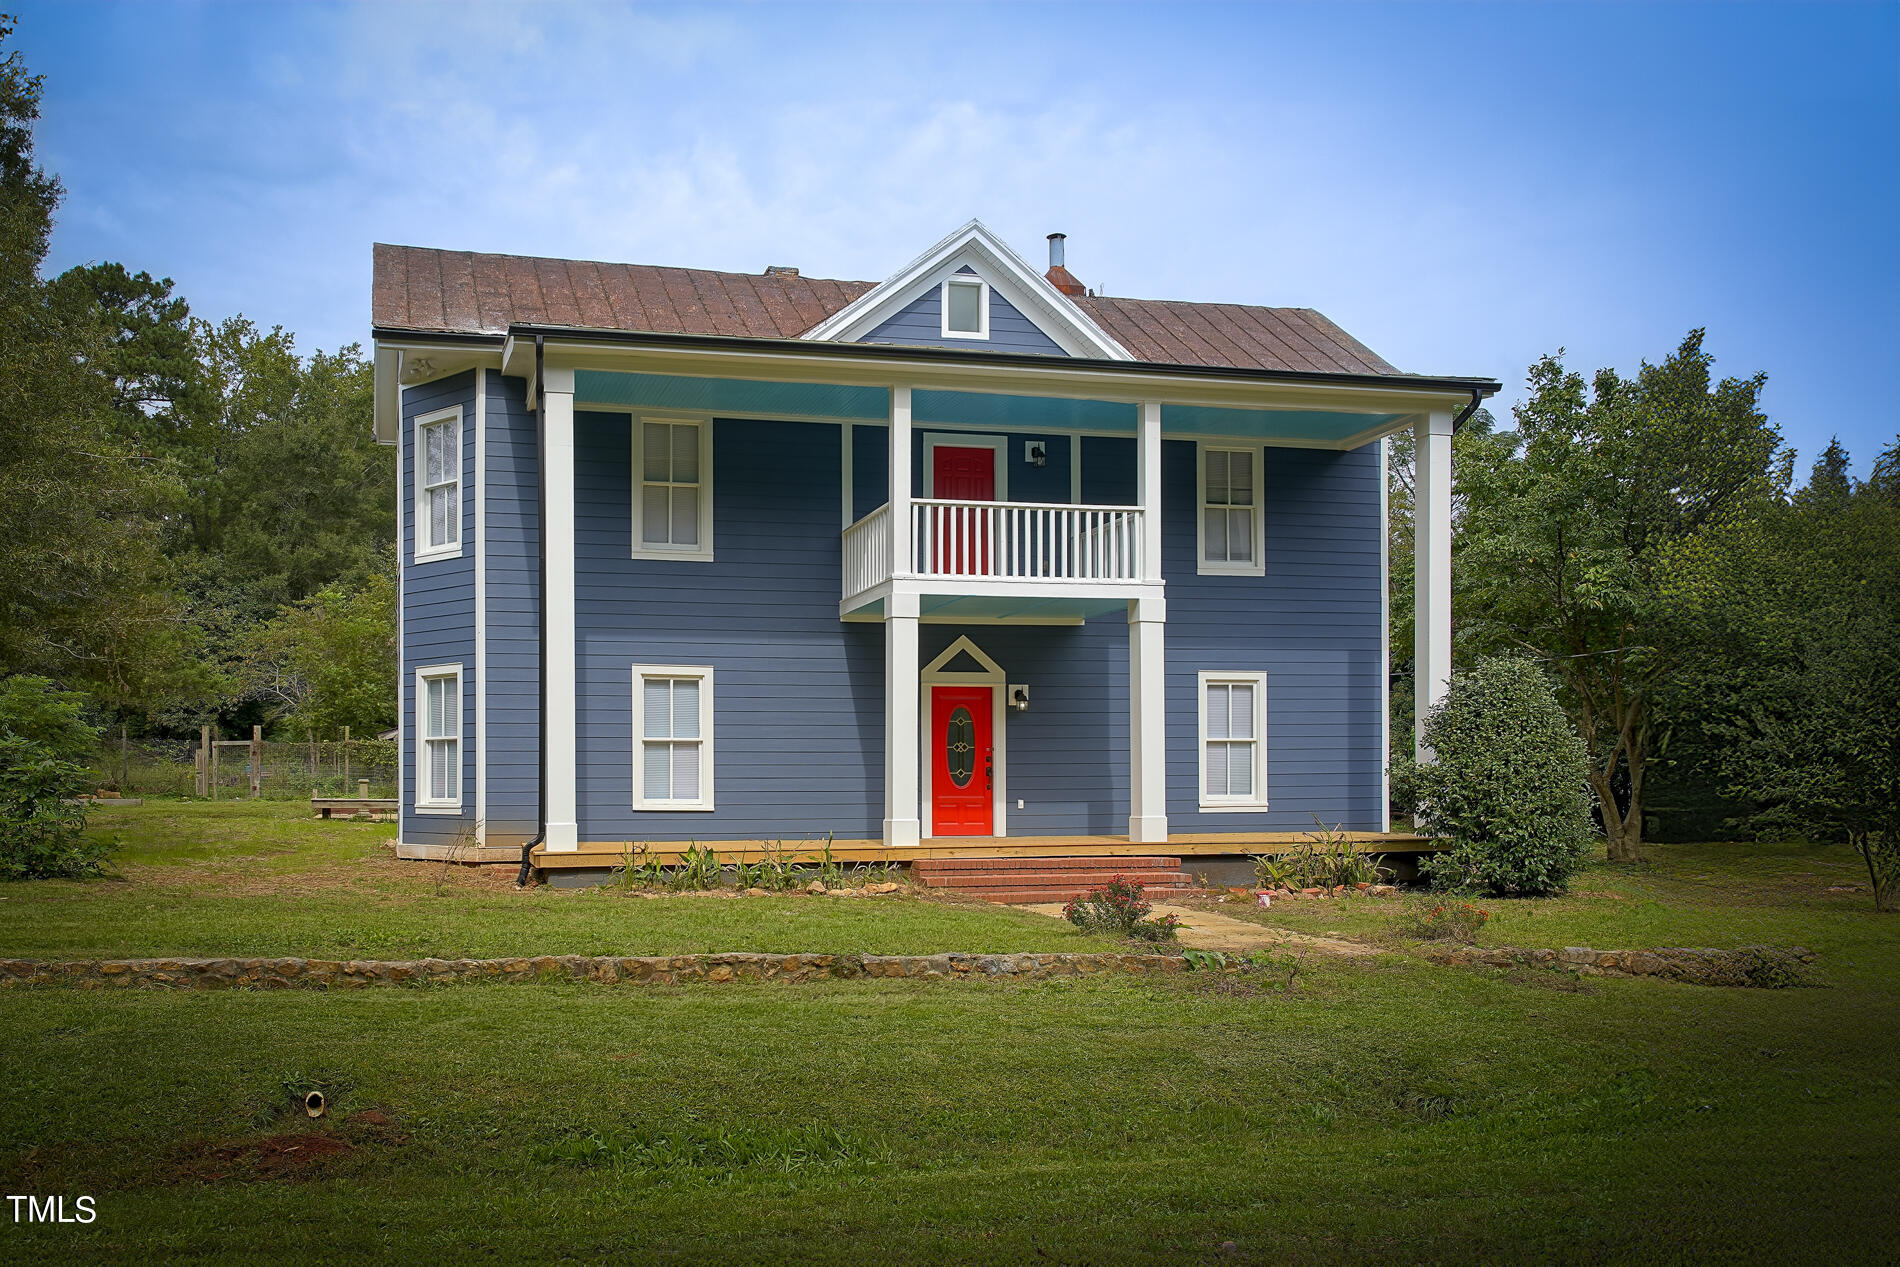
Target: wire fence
<point x="236" y="769"/>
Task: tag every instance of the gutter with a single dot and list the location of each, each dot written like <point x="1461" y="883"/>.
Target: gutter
<point x="541" y="542"/>
<point x="819" y="350"/>
<point x="1477" y="398"/>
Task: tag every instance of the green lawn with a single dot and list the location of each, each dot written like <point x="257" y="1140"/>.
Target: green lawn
<point x="264" y="878"/>
<point x="1381" y="1109"/>
<point x="1720" y="895"/>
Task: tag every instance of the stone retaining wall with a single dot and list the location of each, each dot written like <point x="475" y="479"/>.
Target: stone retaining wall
<point x="1766" y="967"/>
<point x="328" y="974"/>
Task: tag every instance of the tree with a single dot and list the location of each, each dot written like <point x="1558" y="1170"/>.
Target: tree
<point x="79" y="505"/>
<point x="1799" y="667"/>
<point x="1828" y="480"/>
<point x="330" y="661"/>
<point x="1569" y="529"/>
<point x="42" y="739"/>
<point x="296" y="493"/>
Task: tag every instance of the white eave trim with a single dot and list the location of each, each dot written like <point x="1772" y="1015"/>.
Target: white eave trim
<point x="1054" y="312"/>
<point x="387" y="428"/>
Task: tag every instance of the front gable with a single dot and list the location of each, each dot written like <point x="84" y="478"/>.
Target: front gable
<point x="970" y="291"/>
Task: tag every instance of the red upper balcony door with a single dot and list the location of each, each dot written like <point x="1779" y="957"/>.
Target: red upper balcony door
<point x="962" y="536"/>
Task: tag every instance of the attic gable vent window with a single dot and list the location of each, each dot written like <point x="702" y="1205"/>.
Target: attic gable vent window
<point x="966" y="308"/>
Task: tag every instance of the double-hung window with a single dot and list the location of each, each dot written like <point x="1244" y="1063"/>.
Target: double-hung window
<point x="672" y="512"/>
<point x="438" y="461"/>
<point x="439" y="719"/>
<point x="1231" y="539"/>
<point x="1233" y="741"/>
<point x="673" y="749"/>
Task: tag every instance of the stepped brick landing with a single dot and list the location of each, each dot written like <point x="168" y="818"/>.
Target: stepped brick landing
<point x="1017" y="880"/>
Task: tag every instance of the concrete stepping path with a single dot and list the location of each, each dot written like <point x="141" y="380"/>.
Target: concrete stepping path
<point x="1207" y="930"/>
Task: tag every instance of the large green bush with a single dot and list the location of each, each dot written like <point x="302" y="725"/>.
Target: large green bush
<point x="1508" y="786"/>
<point x="41" y="826"/>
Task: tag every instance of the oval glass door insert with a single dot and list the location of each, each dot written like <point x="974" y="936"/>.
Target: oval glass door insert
<point x="959" y="745"/>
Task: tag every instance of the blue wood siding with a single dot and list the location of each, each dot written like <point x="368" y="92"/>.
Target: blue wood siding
<point x="798" y="703"/>
<point x="871" y="457"/>
<point x="438" y="608"/>
<point x="921" y="323"/>
<point x="1067" y="756"/>
<point x="1312" y="623"/>
<point x="1108" y="473"/>
<point x="513" y="618"/>
<point x="798" y="698"/>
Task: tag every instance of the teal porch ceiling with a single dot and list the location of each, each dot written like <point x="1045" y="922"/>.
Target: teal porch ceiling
<point x="621" y="390"/>
<point x="1309" y="425"/>
<point x="731" y="395"/>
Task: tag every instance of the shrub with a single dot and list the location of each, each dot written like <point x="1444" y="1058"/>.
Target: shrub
<point x="1160" y="928"/>
<point x="1507" y="784"/>
<point x="1437" y="922"/>
<point x="34" y="709"/>
<point x="1118" y="907"/>
<point x="1455" y="921"/>
<point x="41" y="830"/>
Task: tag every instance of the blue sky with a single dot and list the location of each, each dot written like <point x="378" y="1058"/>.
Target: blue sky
<point x="1464" y="187"/>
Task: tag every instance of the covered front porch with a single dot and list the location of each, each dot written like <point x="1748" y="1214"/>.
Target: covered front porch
<point x="596" y="854"/>
<point x="908" y="558"/>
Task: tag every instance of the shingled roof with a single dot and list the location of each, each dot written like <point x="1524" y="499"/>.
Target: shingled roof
<point x="465" y="292"/>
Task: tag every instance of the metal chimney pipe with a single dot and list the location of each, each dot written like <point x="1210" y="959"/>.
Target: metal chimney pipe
<point x="1055" y="249"/>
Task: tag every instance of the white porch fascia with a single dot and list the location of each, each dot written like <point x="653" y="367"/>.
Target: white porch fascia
<point x="844" y="365"/>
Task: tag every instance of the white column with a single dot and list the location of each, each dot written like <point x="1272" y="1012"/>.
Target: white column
<point x="901" y="825"/>
<point x="481" y="606"/>
<point x="900" y="483"/>
<point x="1147" y="722"/>
<point x="557" y="605"/>
<point x="1431" y="549"/>
<point x="1148" y="488"/>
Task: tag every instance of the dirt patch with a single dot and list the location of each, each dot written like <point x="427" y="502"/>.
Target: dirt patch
<point x="286" y="1156"/>
<point x="294" y="1155"/>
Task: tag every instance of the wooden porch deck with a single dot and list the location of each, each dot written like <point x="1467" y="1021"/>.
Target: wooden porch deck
<point x="1191" y="844"/>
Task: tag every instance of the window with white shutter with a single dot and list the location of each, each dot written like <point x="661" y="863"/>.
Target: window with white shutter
<point x="1233" y="741"/>
<point x="673" y="752"/>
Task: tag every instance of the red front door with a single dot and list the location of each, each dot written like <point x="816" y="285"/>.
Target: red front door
<point x="962" y="765"/>
<point x="962" y="535"/>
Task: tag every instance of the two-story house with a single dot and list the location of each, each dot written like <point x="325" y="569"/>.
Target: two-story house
<point x="969" y="553"/>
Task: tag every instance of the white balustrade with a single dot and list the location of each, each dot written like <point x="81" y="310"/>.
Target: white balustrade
<point x="1004" y="541"/>
<point x="867" y="552"/>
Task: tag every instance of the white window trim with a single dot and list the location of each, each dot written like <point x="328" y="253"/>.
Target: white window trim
<point x="703" y="552"/>
<point x="641" y="672"/>
<point x="419" y="552"/>
<point x="1232" y="804"/>
<point x="982" y="330"/>
<point x="422" y="803"/>
<point x="933" y="440"/>
<point x="1259" y="565"/>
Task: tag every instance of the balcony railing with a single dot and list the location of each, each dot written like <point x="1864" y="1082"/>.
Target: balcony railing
<point x="998" y="541"/>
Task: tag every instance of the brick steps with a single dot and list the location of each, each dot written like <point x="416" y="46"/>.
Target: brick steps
<point x="1018" y="880"/>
